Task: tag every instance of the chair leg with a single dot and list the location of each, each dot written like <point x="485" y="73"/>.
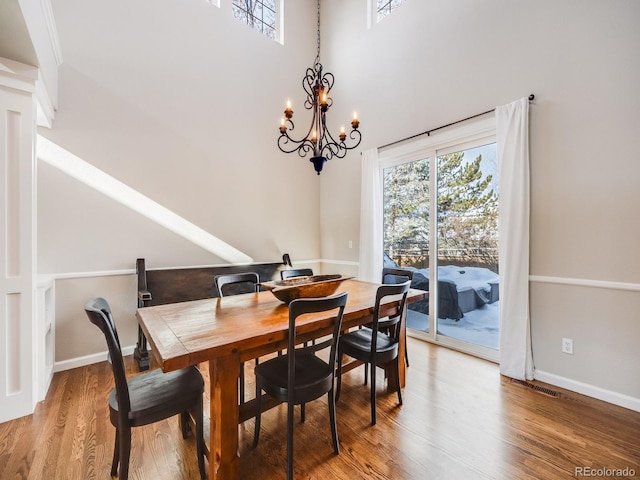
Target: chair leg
<point x="334" y="423"/>
<point x="125" y="451"/>
<point x="198" y="415"/>
<point x="406" y="351"/>
<point x="258" y="418"/>
<point x="303" y="417"/>
<point x="398" y="381"/>
<point x="116" y="455"/>
<point x="366" y="370"/>
<point x="373" y="393"/>
<point x="339" y="385"/>
<point x="184" y="424"/>
<point x="241" y="384"/>
<point x="290" y="441"/>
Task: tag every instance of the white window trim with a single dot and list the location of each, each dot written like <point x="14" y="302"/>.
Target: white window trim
<point x="449" y="138"/>
<point x="280" y="22"/>
<point x="371" y="13"/>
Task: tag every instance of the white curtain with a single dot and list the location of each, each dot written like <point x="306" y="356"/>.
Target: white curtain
<point x="370" y="219"/>
<point x="512" y="138"/>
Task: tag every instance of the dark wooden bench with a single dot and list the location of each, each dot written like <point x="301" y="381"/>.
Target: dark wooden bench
<point x="172" y="285"/>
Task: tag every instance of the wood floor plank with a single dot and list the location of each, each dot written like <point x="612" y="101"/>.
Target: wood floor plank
<point x="460" y="420"/>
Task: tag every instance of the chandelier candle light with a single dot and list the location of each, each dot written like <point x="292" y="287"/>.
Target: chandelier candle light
<point x="318" y="140"/>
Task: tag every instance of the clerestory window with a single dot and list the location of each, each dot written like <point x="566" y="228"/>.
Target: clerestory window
<point x="259" y="14"/>
<point x="385" y="7"/>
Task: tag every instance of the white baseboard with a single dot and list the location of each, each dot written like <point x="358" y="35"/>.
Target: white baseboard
<point x="87" y="360"/>
<point x="589" y="390"/>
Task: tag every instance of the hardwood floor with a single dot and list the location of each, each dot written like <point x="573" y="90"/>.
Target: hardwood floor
<point x="460" y="420"/>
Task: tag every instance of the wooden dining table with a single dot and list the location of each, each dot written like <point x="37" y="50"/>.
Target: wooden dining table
<point x="225" y="332"/>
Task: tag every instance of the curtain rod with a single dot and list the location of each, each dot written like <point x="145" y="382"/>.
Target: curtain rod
<point x="428" y="132"/>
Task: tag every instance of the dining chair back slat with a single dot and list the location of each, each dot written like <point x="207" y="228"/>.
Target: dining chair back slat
<point x="295" y="272"/>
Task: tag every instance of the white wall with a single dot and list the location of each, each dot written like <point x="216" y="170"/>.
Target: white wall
<point x="181" y="102"/>
<point x="431" y="63"/>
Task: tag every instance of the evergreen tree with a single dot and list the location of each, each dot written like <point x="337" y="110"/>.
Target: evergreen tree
<point x="406" y="206"/>
<point x="467" y="209"/>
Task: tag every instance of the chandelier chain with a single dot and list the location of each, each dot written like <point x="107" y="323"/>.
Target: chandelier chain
<point x="318" y="30"/>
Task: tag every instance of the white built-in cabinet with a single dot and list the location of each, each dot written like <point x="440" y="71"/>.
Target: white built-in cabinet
<point x="20" y="332"/>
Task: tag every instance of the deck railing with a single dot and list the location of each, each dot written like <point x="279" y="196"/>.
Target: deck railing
<point x="470" y="257"/>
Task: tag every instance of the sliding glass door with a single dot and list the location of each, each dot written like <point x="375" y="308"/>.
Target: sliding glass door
<point x="467" y="260"/>
<point x="406" y="201"/>
<point x="441" y="221"/>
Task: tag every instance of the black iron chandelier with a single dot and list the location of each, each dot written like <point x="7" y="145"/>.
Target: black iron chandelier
<point x="318" y="141"/>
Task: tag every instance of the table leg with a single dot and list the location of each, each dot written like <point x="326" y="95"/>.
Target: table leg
<point x="141" y="352"/>
<point x="223" y="448"/>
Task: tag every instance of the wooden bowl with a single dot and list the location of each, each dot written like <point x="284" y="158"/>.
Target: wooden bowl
<point x="313" y="286"/>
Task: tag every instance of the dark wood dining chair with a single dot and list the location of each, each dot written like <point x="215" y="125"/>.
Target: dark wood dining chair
<point x="295" y="272"/>
<point x="148" y="397"/>
<point x="299" y="376"/>
<point x="398" y="275"/>
<point x="373" y="347"/>
<point x="235" y="284"/>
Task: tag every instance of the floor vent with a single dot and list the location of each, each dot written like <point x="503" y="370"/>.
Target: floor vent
<point x="537" y="388"/>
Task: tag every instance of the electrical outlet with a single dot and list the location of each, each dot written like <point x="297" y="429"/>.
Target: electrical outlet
<point x="567" y="345"/>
